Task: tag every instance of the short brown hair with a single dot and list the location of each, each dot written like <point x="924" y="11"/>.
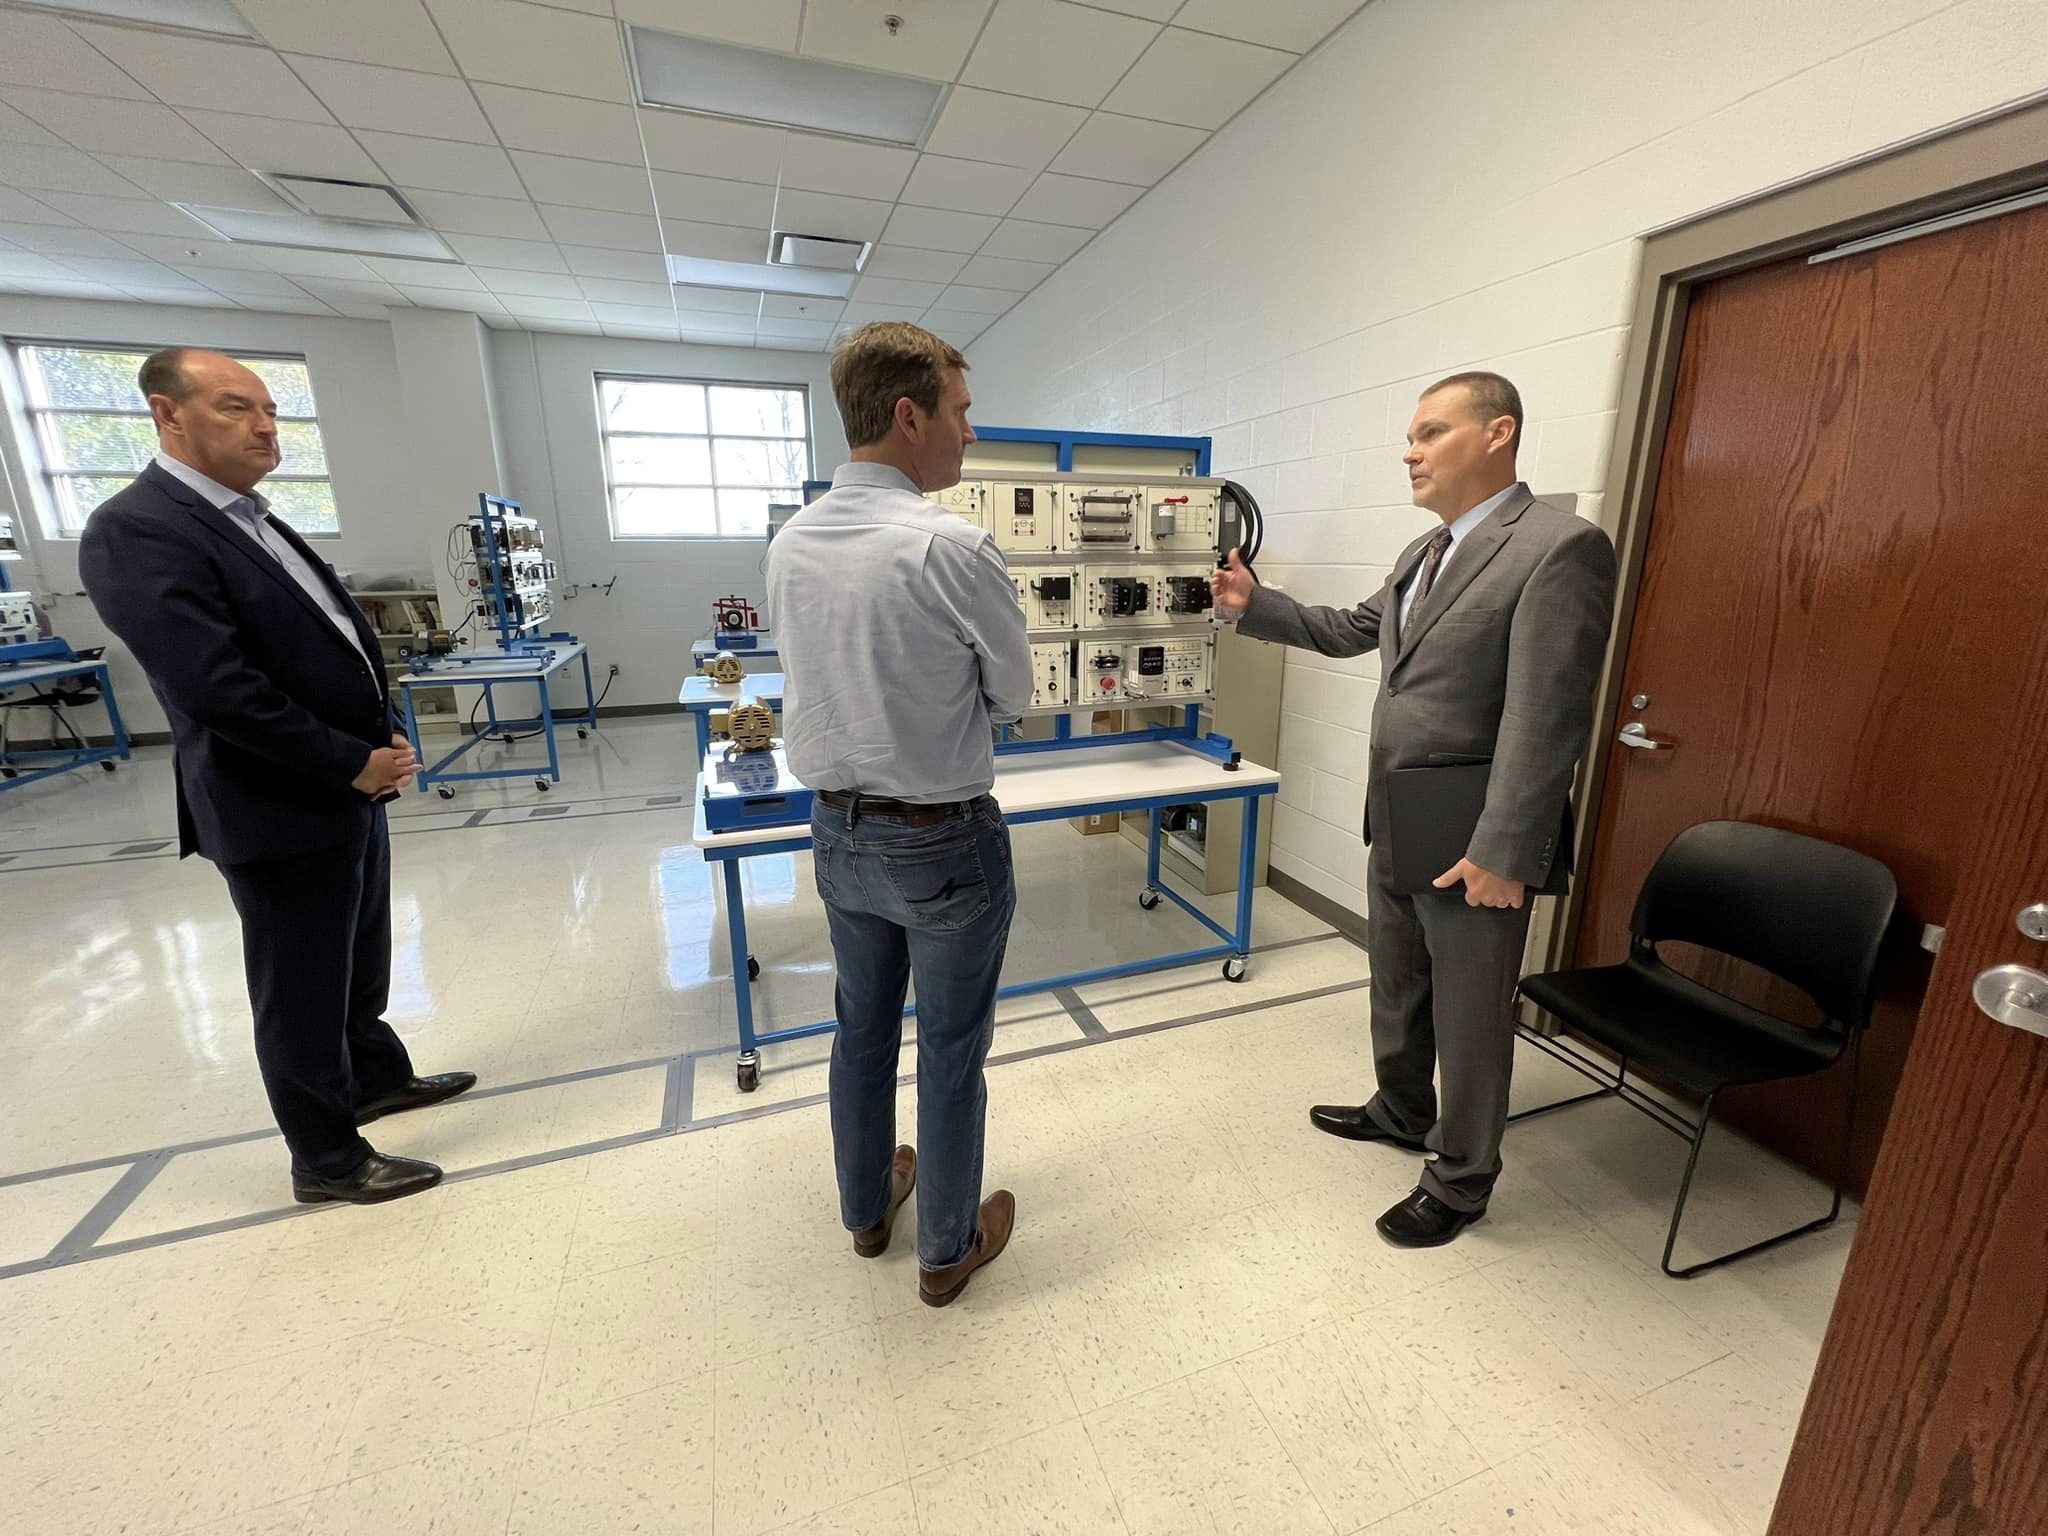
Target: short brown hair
<point x="882" y="363"/>
<point x="1492" y="396"/>
<point x="163" y="373"/>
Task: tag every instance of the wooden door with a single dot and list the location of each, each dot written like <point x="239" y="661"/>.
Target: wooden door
<point x="1842" y="556"/>
<point x="1928" y="1414"/>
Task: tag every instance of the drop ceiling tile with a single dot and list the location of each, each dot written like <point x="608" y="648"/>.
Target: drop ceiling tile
<point x="123" y="272"/>
<point x="333" y="264"/>
<point x="272" y="144"/>
<point x="820" y="213"/>
<point x="548" y="309"/>
<point x="714" y="242"/>
<point x="1006" y="130"/>
<point x="707" y="146"/>
<point x="508" y="218"/>
<point x="1076" y="200"/>
<point x="780" y="330"/>
<point x="62" y="240"/>
<point x="620" y="332"/>
<point x="42" y="51"/>
<point x="750" y="23"/>
<point x="508" y="255"/>
<point x="396" y="100"/>
<point x="1151" y="10"/>
<point x="1002" y="272"/>
<point x="709" y="200"/>
<point x="1296" y="25"/>
<point x="717" y="301"/>
<point x="966" y="186"/>
<point x="593" y="261"/>
<point x="894" y="291"/>
<point x="60" y="168"/>
<point x="919" y="266"/>
<point x="198" y="297"/>
<point x="20" y="208"/>
<point x="453" y="298"/>
<point x="18" y="128"/>
<point x="113" y="125"/>
<point x="200" y="249"/>
<point x="633" y="314"/>
<point x="177" y="181"/>
<point x="562" y="125"/>
<point x="394" y="32"/>
<point x="811" y="163"/>
<point x="1130" y="149"/>
<point x="402" y="274"/>
<point x="509" y="284"/>
<point x="585" y="183"/>
<point x="593" y="226"/>
<point x="789" y="306"/>
<point x="957" y="326"/>
<point x="614" y="290"/>
<point x="935" y="229"/>
<point x="976" y="301"/>
<point x="1187" y="77"/>
<point x="199" y="72"/>
<point x="122" y="215"/>
<point x="532" y="46"/>
<point x="866" y="312"/>
<point x="934" y="43"/>
<point x="238" y="284"/>
<point x="438" y="165"/>
<point x="15" y="265"/>
<point x="1060" y="52"/>
<point x="1027" y="241"/>
<point x="335" y="290"/>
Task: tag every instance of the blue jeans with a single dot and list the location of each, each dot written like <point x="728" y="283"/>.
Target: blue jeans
<point x="935" y="902"/>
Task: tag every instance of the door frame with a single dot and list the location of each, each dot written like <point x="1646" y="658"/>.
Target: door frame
<point x="1994" y="156"/>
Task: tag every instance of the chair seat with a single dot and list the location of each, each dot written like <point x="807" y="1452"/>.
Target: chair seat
<point x="1690" y="1035"/>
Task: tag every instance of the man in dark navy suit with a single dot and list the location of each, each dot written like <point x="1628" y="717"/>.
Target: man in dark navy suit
<point x="286" y="745"/>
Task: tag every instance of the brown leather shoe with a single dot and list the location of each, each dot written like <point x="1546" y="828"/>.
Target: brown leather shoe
<point x="937" y="1287"/>
<point x="874" y="1242"/>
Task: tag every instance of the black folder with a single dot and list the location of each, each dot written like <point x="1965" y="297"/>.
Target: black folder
<point x="1434" y="811"/>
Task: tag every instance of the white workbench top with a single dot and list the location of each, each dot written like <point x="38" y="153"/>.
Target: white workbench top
<point x="1047" y="781"/>
<point x="515" y="666"/>
<point x="699" y="692"/>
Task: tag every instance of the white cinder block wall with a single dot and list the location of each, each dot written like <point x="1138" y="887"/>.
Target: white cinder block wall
<point x="1450" y="184"/>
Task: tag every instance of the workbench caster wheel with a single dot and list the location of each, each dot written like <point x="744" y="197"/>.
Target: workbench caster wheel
<point x="1148" y="899"/>
<point x="106" y="765"/>
<point x="445" y="791"/>
<point x="1233" y="968"/>
<point x="750" y="1073"/>
<point x="753" y="969"/>
<point x="582" y="734"/>
<point x="541" y="785"/>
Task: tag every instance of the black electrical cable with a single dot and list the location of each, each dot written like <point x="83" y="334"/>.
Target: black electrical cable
<point x="529" y="735"/>
<point x="1252" y="531"/>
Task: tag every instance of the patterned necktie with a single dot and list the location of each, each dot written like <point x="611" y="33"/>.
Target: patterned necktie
<point x="1439" y="546"/>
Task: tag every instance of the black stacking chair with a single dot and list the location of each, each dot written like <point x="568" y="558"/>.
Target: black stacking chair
<point x="1811" y="913"/>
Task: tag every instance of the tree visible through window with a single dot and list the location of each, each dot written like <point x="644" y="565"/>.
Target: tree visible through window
<point x="93" y="431"/>
<point x="690" y="460"/>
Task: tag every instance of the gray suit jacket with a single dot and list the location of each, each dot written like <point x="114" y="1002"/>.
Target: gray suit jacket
<point x="1500" y="662"/>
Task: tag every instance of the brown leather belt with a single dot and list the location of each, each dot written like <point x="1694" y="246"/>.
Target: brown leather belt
<point x="856" y="804"/>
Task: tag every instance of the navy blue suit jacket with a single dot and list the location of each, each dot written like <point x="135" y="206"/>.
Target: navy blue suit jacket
<point x="272" y="711"/>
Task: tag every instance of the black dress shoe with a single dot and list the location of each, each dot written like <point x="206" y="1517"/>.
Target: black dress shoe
<point x="380" y="1178"/>
<point x="417" y="1094"/>
<point x="1352" y="1123"/>
<point x="1423" y="1221"/>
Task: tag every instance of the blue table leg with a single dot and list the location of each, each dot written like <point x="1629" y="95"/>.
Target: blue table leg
<point x="1247" y="865"/>
<point x="106" y="683"/>
<point x="742" y="977"/>
<point x="1149" y="897"/>
<point x="547" y="727"/>
<point x="703" y="719"/>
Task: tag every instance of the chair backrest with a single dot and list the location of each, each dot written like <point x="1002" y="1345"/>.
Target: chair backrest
<point x="1810" y="912"/>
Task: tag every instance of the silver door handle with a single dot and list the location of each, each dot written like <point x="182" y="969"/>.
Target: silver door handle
<point x="2016" y="995"/>
<point x="1634" y="735"/>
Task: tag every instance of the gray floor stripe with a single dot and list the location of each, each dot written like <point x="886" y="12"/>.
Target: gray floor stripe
<point x="1084" y="1016"/>
<point x="110" y="1207"/>
<point x="478" y="818"/>
<point x="679" y="1098"/>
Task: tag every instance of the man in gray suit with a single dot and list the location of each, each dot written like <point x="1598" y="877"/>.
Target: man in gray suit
<point x="1490" y="632"/>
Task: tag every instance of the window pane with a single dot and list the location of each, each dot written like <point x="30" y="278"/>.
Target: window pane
<point x="305" y="451"/>
<point x="754" y="463"/>
<point x="78" y="495"/>
<point x="651" y="405"/>
<point x="744" y="514"/>
<point x="308" y="505"/>
<point x="82" y="376"/>
<point x="97" y="442"/>
<point x="661" y="512"/>
<point x="757" y="412"/>
<point x="660" y="460"/>
<point x="291" y="386"/>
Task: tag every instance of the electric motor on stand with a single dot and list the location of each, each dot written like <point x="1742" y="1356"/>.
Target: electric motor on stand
<point x="751" y="725"/>
<point x="723" y="668"/>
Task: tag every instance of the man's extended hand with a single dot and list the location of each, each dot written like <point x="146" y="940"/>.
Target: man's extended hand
<point x="389" y="769"/>
<point x="1483" y="888"/>
<point x="1231" y="588"/>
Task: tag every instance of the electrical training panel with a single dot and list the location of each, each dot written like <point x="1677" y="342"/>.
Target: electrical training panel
<point x="1113" y="575"/>
<point x="509" y="575"/>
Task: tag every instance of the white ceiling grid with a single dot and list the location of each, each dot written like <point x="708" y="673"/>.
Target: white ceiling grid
<point x="510" y="126"/>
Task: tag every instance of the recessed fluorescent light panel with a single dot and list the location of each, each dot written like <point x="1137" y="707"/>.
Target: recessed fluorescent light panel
<point x="215" y="16"/>
<point x="723" y="80"/>
<point x="827" y="253"/>
<point x="306" y="231"/>
<point x="760" y="277"/>
<point x="367" y="202"/>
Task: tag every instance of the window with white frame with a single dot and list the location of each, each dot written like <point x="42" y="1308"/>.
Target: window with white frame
<point x="93" y="432"/>
<point x="693" y="459"/>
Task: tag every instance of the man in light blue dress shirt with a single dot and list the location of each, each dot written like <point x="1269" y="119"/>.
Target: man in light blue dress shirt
<point x="902" y="645"/>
